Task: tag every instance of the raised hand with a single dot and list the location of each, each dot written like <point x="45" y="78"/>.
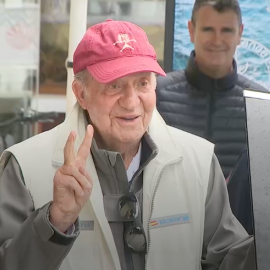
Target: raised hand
<point x="72" y="183"/>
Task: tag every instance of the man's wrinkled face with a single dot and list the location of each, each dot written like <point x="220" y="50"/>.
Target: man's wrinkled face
<point x="215" y="36"/>
<point x="121" y="110"/>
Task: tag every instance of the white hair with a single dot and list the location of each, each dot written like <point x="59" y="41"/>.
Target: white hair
<point x="83" y="77"/>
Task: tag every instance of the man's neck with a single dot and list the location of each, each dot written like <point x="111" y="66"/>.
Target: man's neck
<point x="215" y="73"/>
<point x="129" y="155"/>
<point x="127" y="150"/>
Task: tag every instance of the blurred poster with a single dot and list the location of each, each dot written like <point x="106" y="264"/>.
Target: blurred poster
<point x="19" y="35"/>
<point x="252" y="55"/>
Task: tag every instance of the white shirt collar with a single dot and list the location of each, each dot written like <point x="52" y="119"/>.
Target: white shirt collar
<point x="134" y="164"/>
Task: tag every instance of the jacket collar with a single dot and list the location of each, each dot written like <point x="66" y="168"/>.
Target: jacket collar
<point x="160" y="134"/>
<point x="203" y="82"/>
<point x="76" y="121"/>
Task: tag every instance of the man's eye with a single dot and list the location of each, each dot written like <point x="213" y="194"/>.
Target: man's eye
<point x="143" y="84"/>
<point x="228" y="30"/>
<point x="113" y="86"/>
<point x="207" y="29"/>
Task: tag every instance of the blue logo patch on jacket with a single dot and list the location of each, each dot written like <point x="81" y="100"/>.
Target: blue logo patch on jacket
<point x="169" y="220"/>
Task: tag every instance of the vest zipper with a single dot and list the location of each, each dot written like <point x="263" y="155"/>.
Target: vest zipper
<point x="152" y="206"/>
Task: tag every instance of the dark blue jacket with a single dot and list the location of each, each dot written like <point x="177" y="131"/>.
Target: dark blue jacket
<point x="210" y="108"/>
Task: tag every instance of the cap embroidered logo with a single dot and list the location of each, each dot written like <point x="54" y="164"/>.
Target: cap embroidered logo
<point x="124" y="38"/>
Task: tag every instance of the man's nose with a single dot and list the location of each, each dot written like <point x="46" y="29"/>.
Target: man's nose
<point x="130" y="99"/>
<point x="217" y="38"/>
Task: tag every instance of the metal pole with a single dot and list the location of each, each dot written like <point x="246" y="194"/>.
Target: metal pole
<point x="77" y="28"/>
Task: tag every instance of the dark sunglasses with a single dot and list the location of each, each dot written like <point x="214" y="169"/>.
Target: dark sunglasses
<point x="134" y="236"/>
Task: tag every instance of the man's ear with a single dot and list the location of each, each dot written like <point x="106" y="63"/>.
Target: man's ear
<point x="79" y="92"/>
<point x="191" y="31"/>
<point x="240" y="33"/>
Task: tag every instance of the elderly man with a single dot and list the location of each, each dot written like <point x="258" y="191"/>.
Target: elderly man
<point x="114" y="187"/>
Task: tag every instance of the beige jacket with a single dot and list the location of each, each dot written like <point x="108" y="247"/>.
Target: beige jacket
<point x="175" y="193"/>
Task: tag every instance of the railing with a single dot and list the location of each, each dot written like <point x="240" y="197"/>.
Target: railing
<point x="26" y="118"/>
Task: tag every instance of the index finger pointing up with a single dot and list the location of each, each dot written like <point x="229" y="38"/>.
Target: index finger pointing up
<point x="69" y="153"/>
<point x="84" y="149"/>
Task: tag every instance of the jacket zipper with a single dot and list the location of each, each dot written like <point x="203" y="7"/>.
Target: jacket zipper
<point x="152" y="207"/>
<point x="151" y="212"/>
<point x="207" y="131"/>
<point x="128" y="255"/>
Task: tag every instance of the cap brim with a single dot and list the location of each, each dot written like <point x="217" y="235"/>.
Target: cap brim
<point x="109" y="71"/>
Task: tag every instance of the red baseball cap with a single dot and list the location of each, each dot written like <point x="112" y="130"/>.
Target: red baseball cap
<point x="114" y="49"/>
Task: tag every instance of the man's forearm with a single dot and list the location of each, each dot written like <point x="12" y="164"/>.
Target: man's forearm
<point x="35" y="245"/>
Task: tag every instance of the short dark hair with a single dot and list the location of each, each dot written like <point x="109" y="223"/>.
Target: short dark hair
<point x="218" y="5"/>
